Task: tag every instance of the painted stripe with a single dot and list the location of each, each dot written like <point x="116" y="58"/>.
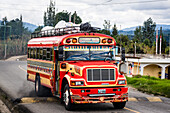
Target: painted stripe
<point x="33" y="70"/>
<point x="37" y="60"/>
<point x="38" y="99"/>
<point x="131" y="110"/>
<point x="154" y="99"/>
<point x="43" y="64"/>
<point x="132" y="99"/>
<point x="45" y="81"/>
<point x="31" y="77"/>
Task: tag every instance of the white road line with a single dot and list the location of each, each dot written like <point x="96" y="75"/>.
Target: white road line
<point x="22" y="68"/>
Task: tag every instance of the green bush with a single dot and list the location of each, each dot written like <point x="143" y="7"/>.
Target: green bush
<point x="151" y="85"/>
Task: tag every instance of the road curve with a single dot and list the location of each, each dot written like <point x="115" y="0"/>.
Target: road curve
<point x="13" y="81"/>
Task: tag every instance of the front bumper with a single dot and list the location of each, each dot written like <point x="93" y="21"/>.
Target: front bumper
<point x="93" y="97"/>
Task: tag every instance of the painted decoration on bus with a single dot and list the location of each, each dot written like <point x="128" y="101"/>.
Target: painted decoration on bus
<point x="86" y="48"/>
<point x="89" y="40"/>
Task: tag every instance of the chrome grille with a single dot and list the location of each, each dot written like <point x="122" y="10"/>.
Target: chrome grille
<point x="100" y="75"/>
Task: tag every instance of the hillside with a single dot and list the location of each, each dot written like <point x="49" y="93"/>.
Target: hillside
<point x="31" y="27"/>
<point x="164" y="27"/>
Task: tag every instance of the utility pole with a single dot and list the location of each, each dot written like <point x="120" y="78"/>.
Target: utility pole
<point x="120" y="40"/>
<point x="4" y="39"/>
<point x="135" y="48"/>
<point x="160" y="40"/>
<point x="169" y="44"/>
<point x="157" y="41"/>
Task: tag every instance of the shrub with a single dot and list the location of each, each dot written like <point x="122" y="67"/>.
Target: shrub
<point x="151" y="85"/>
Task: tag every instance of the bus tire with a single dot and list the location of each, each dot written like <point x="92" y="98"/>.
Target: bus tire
<point x="38" y="86"/>
<point x="67" y="98"/>
<point x="119" y="105"/>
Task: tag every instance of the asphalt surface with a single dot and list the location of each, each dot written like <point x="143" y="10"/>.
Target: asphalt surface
<point x="13" y="82"/>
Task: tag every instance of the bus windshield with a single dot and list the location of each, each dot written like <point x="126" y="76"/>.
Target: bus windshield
<point x="88" y="53"/>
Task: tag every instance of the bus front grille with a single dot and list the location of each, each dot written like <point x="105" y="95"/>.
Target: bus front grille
<point x="100" y="75"/>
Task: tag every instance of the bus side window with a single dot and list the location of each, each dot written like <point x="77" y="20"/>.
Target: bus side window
<point x="52" y="54"/>
<point x="34" y="54"/>
<point x="44" y="53"/>
<point x="41" y="53"/>
<point x="38" y="53"/>
<point x="31" y="53"/>
<point x="48" y="54"/>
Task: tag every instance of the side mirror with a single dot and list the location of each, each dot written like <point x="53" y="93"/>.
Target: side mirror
<point x="123" y="68"/>
<point x="123" y="54"/>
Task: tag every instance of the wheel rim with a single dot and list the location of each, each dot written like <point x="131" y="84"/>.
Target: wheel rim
<point x="36" y="86"/>
<point x="66" y="97"/>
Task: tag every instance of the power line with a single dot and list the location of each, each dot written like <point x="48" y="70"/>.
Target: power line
<point x="149" y="1"/>
<point x="124" y="3"/>
<point x="100" y="4"/>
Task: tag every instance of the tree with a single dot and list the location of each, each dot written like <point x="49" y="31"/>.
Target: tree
<point x="38" y="29"/>
<point x="49" y="16"/>
<point x="64" y="15"/>
<point x="4" y="21"/>
<point x="75" y="18"/>
<point x="138" y="34"/>
<point x="114" y="31"/>
<point x="106" y="29"/>
<point x="148" y="30"/>
<point x="107" y="25"/>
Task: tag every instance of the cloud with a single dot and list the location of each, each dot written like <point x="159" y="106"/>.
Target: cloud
<point x="125" y="13"/>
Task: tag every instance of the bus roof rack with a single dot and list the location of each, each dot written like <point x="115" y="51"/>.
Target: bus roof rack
<point x="86" y="27"/>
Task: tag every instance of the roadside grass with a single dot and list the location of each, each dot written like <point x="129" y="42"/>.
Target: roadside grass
<point x="150" y="85"/>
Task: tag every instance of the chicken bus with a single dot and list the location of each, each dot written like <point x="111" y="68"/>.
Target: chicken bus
<point x="77" y="66"/>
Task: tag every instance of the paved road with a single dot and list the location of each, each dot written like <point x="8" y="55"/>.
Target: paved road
<point x="13" y="81"/>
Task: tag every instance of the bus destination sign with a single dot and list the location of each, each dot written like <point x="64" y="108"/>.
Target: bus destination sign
<point x="89" y="40"/>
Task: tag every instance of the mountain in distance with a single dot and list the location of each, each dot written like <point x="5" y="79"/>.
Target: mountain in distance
<point x="31" y="27"/>
<point x="164" y="27"/>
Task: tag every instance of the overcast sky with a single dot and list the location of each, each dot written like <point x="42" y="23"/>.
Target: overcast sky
<point x="127" y="13"/>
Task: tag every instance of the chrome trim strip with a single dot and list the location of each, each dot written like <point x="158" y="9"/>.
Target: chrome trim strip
<point x="96" y="95"/>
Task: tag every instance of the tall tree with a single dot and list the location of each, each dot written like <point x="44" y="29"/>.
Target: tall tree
<point x="49" y="16"/>
<point x="107" y="25"/>
<point x="138" y="34"/>
<point x="148" y="29"/>
<point x="114" y="31"/>
<point x="75" y="18"/>
<point x="64" y="15"/>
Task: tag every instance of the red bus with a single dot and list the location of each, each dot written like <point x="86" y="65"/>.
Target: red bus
<point x="76" y="66"/>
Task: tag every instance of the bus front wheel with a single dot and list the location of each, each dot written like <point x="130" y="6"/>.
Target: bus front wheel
<point x="67" y="98"/>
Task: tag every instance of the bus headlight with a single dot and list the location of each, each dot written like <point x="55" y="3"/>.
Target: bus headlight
<point x="77" y="83"/>
<point x="121" y="82"/>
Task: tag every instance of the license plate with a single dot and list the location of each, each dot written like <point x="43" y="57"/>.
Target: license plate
<point x="101" y="90"/>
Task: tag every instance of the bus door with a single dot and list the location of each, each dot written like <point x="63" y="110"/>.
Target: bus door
<point x="57" y="76"/>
